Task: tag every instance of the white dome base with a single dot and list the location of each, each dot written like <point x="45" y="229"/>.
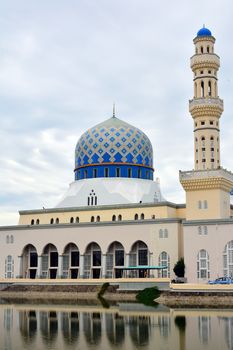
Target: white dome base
<point x="110" y="191"/>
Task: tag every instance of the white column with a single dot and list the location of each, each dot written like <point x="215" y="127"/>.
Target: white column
<point x="38" y="272"/>
<point x="81" y="266"/>
<point x="60" y="267"/>
<point x="127" y="256"/>
<point x="21" y="267"/>
<point x="103" y="263"/>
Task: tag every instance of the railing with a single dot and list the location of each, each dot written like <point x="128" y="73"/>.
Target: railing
<point x="208" y="57"/>
<point x="211" y="101"/>
<point x="201" y="174"/>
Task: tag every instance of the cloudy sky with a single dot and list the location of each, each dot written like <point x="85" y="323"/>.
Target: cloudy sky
<point x="64" y="63"/>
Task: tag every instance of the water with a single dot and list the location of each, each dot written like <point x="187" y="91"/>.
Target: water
<point x="120" y="326"/>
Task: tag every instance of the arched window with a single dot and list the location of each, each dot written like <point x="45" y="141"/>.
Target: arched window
<point x="205" y="204"/>
<point x="142" y="216"/>
<point x="119" y="217"/>
<point x="160" y="233"/>
<point x="129" y="172"/>
<point x="208" y="49"/>
<point x="32" y="222"/>
<point x="202" y="89"/>
<point x="98" y="218"/>
<point x="85" y="174"/>
<point x="209" y="88"/>
<point x="51" y="221"/>
<point x="92" y="219"/>
<point x="106" y="172"/>
<point x="71" y="220"/>
<point x="203" y="265"/>
<point x="7" y="239"/>
<point x="94" y="173"/>
<point x="202" y="49"/>
<point x="165" y="233"/>
<point x="195" y="90"/>
<point x="9" y="267"/>
<point x="136" y="217"/>
<point x="164" y="260"/>
<point x="114" y="218"/>
<point x="203" y="141"/>
<point x="12" y="239"/>
<point x="57" y="221"/>
<point x="77" y="220"/>
<point x="228" y="259"/>
<point x="139" y="173"/>
<point x="92" y="198"/>
<point x="37" y="221"/>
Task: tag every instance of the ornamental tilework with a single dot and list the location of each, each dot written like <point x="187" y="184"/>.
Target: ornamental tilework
<point x="113" y="141"/>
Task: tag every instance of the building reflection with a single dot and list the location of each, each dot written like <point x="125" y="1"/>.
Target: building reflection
<point x="93" y="327"/>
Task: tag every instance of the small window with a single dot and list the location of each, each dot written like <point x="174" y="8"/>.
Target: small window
<point x="117" y="172"/>
<point x="12" y="239"/>
<point x="85" y="174"/>
<point x="32" y="222"/>
<point x="37" y="221"/>
<point x="203" y="160"/>
<point x="88" y="200"/>
<point x="212" y="160"/>
<point x="106" y="172"/>
<point x="95" y="200"/>
<point x="196" y="124"/>
<point x="208" y="49"/>
<point x="196" y="139"/>
<point x="166" y="233"/>
<point x="147" y="174"/>
<point x="98" y="218"/>
<point x="153" y="216"/>
<point x="212" y="138"/>
<point x="77" y="220"/>
<point x="51" y="221"/>
<point x="209" y="72"/>
<point x="205" y="204"/>
<point x="71" y="220"/>
<point x="203" y="138"/>
<point x="201" y="72"/>
<point x="139" y="173"/>
<point x="114" y="218"/>
<point x="94" y="173"/>
<point x="142" y="216"/>
<point x="160" y="233"/>
<point x="7" y="239"/>
<point x="202" y="123"/>
<point x="211" y="122"/>
<point x="57" y="221"/>
<point x="199" y="205"/>
<point x="136" y="217"/>
<point x="129" y="172"/>
<point x="199" y="230"/>
<point x="205" y="230"/>
<point x="119" y="217"/>
<point x="92" y="219"/>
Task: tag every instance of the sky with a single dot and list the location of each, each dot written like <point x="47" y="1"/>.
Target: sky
<point x="64" y="63"/>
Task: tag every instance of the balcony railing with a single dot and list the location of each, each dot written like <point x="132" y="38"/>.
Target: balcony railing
<point x="211" y="101"/>
<point x="203" y="58"/>
<point x="201" y="174"/>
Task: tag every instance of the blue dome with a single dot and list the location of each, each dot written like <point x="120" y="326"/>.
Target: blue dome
<point x="204" y="32"/>
<point x="113" y="148"/>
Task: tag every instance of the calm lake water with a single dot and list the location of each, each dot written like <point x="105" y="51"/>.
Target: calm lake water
<point x="117" y="326"/>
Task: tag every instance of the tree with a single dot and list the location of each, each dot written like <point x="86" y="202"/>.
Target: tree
<point x="179" y="268"/>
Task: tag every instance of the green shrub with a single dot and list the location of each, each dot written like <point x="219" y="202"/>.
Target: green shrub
<point x="148" y="295"/>
<point x="103" y="289"/>
<point x="179" y="268"/>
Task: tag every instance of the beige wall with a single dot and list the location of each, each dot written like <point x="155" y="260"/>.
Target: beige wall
<point x="159" y="212"/>
<point x="218" y="204"/>
<point x="213" y="242"/>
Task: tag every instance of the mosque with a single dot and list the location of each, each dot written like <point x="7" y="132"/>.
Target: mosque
<point x="113" y="220"/>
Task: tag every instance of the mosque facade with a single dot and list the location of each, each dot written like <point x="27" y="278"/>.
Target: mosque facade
<point x="114" y="222"/>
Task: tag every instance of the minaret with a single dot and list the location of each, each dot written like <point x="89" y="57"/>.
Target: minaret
<point x="206" y="107"/>
<point x="208" y="186"/>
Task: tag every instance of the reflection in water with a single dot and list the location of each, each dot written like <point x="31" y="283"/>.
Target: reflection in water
<point x="128" y="326"/>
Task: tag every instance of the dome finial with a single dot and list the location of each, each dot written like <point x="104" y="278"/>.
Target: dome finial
<point x="114" y="110"/>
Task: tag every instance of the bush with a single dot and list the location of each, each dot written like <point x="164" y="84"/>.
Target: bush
<point x="148" y="295"/>
<point x="103" y="289"/>
<point x="179" y="268"/>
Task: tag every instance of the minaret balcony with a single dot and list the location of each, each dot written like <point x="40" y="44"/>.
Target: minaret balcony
<point x="206" y="179"/>
<point x="200" y="106"/>
<point x="208" y="60"/>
